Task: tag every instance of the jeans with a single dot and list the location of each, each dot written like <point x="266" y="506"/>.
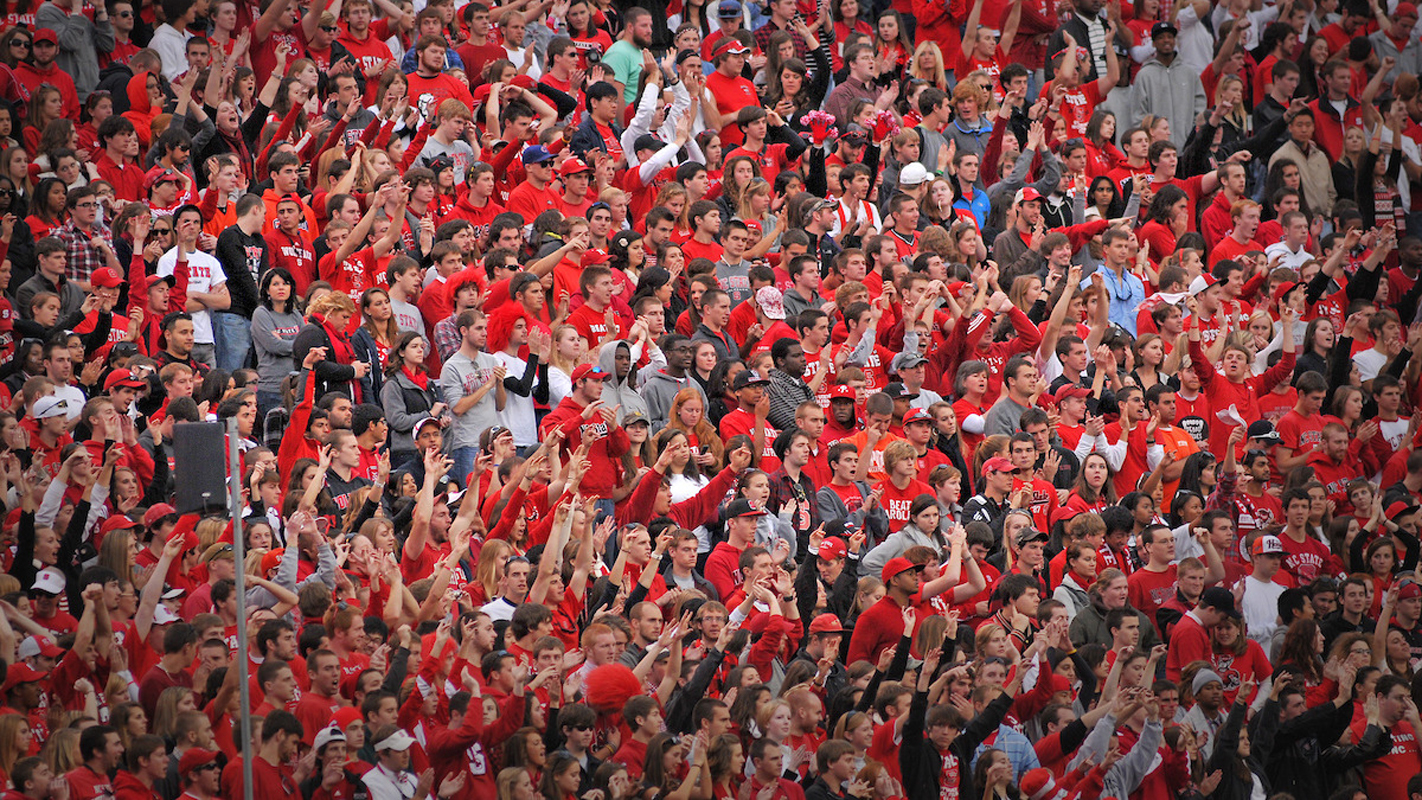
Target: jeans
<point x="204" y="354"/>
<point x="232" y="336"/>
<point x="463" y="464"/>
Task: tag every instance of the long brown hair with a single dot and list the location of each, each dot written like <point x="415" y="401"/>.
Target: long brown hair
<point x="705" y="434"/>
<point x="392" y="327"/>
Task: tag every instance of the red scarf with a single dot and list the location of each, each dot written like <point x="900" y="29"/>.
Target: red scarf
<point x="341" y="353"/>
<point x="420" y="379"/>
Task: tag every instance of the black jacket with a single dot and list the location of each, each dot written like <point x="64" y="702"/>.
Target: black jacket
<point x="920" y="762"/>
<point x="1302" y="760"/>
<point x="329" y="375"/>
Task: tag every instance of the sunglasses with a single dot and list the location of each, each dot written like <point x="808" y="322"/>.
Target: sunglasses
<point x="20" y="43"/>
<point x="328" y="28"/>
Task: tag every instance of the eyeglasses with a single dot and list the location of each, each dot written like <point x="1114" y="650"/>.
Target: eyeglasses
<point x="20" y="43"/>
<point x="581" y="728"/>
<point x="124" y="14"/>
<point x="162" y="231"/>
<point x="86" y="205"/>
<point x="328" y="28"/>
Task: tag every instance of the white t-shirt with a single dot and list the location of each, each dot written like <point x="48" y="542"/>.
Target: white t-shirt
<point x="204" y="275"/>
<point x="1260" y="608"/>
<point x="1370" y="362"/>
<point x="518" y="414"/>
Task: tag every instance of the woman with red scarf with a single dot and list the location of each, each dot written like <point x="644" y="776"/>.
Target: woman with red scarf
<point x="328" y="319"/>
<point x="408" y="395"/>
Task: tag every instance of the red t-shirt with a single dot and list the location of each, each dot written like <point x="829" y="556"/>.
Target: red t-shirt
<point x="1388" y="776"/>
<point x="430" y="92"/>
<point x="897" y="502"/>
<point x="732" y="94"/>
<point x="740" y="422"/>
<point x="1150" y="590"/>
<point x="1077" y="106"/>
<point x="360" y="271"/>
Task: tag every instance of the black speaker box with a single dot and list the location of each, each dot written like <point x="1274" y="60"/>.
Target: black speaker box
<point x="200" y="455"/>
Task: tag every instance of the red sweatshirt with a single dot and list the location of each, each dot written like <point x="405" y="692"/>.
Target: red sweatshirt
<point x="605" y="453"/>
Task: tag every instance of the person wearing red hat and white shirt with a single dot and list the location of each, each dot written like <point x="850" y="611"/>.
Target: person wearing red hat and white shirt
<point x="1260" y="602"/>
<point x="731" y="90"/>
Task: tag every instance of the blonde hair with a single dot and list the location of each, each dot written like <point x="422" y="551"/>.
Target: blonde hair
<point x="333" y="301"/>
<point x="938" y="76"/>
<point x="61" y="752"/>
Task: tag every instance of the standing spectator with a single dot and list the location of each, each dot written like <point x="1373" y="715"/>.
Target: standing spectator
<point x="472" y="385"/>
<point x="80" y="38"/>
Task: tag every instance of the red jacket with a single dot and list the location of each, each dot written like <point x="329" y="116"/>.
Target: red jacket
<point x="470" y="746"/>
<point x="128" y="787"/>
<point x="1189" y="641"/>
<point x="605" y="453"/>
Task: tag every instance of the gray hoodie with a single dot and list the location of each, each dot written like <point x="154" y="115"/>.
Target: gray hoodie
<point x="624" y="392"/>
<point x="659" y="391"/>
<point x="895" y="545"/>
<point x="1126" y="776"/>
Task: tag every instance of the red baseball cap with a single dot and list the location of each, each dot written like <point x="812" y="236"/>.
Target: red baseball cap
<point x="998" y="464"/>
<point x="46" y="35"/>
<point x="730" y="46"/>
<point x="195" y="759"/>
<point x="1027" y="194"/>
<point x="1070" y="390"/>
<point x="591" y="371"/>
<point x="826" y="623"/>
<point x="917" y="415"/>
<point x="896" y="565"/>
<point x="107" y="277"/>
<point x="122" y="377"/>
<point x="831" y="548"/>
<point x="842" y="391"/>
<point x="156" y="513"/>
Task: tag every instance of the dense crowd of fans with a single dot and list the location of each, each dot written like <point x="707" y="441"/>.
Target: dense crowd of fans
<point x="700" y="400"/>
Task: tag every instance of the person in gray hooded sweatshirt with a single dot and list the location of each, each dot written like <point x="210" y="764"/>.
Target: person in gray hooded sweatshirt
<point x="661" y="386"/>
<point x="617" y="358"/>
<point x="1125" y="776"/>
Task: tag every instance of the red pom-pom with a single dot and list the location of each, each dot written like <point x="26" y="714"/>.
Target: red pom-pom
<point x="610" y="686"/>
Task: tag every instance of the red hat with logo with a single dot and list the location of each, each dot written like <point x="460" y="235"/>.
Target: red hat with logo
<point x="107" y="277"/>
<point x="122" y="377"/>
<point x="842" y="391"/>
<point x="825" y="623"/>
<point x="831" y="548"/>
<point x="1071" y="390"/>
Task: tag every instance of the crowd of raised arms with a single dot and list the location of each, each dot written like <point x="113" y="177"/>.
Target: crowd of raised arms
<point x="711" y="400"/>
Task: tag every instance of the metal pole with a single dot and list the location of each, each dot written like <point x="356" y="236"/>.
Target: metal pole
<point x="239" y="555"/>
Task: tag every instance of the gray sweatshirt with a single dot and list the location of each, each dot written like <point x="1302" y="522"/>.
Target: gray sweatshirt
<point x="273" y="334"/>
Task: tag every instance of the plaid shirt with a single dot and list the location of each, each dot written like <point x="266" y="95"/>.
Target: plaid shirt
<point x="796" y="496"/>
<point x="446" y="337"/>
<point x="82" y="258"/>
